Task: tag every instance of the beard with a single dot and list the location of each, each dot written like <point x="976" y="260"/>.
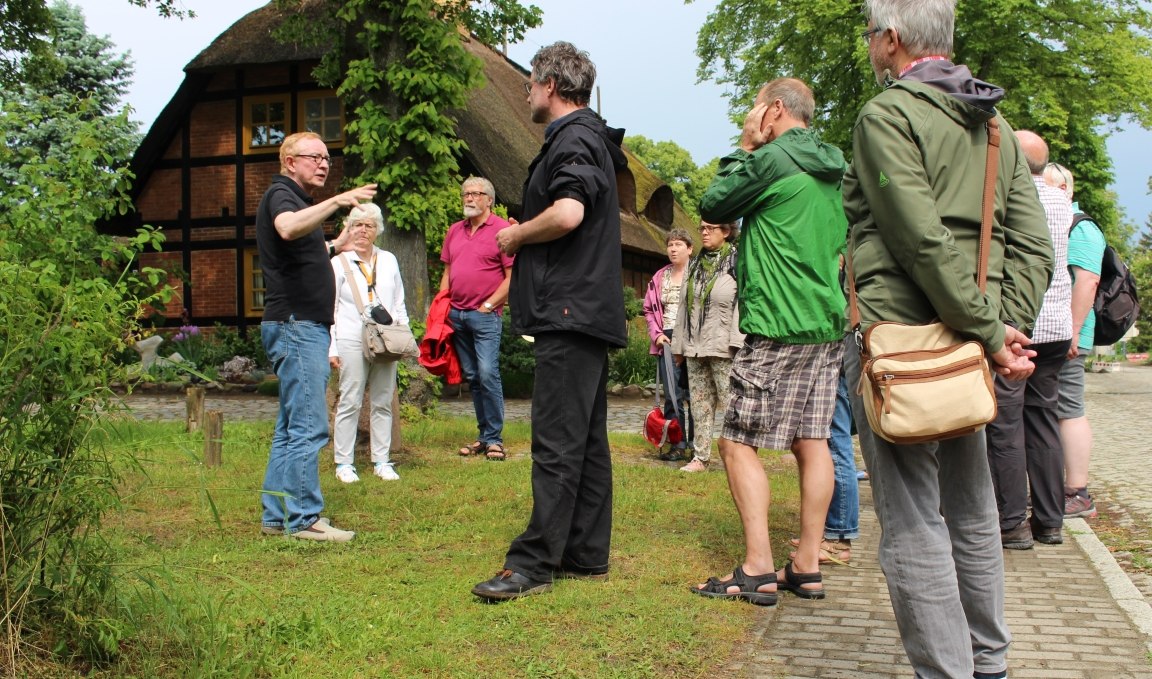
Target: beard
<point x="470" y="212"/>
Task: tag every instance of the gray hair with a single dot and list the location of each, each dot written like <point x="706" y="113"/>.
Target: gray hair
<point x="366" y="211"/>
<point x="680" y="235"/>
<point x="794" y="94"/>
<point x="1056" y="174"/>
<point x="484" y="184"/>
<point x="571" y="69"/>
<point x="925" y="27"/>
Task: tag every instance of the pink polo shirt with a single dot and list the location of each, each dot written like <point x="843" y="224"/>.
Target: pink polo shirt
<point x="477" y="265"/>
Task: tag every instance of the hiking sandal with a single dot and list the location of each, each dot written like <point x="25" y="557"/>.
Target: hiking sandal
<point x="495" y="452"/>
<point x="748" y="585"/>
<point x="831" y="551"/>
<point x="474" y="448"/>
<point x="794" y="582"/>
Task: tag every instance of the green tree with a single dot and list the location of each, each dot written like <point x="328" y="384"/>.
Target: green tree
<point x="402" y="71"/>
<point x="673" y="164"/>
<point x="82" y="79"/>
<point x="1068" y="68"/>
<point x="27" y="27"/>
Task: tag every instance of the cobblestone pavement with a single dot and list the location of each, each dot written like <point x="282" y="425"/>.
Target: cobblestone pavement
<point x="1072" y="611"/>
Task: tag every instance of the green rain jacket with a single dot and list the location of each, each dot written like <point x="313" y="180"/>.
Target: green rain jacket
<point x="913" y="198"/>
<point x="788" y="194"/>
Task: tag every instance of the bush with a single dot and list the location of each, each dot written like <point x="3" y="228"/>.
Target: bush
<point x="69" y="303"/>
<point x="633" y="364"/>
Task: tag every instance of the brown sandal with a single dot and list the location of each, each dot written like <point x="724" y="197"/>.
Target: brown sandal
<point x="474" y="448"/>
<point x="495" y="452"/>
<point x="831" y="551"/>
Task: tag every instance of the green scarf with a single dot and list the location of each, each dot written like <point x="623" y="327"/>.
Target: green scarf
<point x="702" y="275"/>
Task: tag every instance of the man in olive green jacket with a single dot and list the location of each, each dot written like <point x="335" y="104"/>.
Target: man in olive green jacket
<point x="913" y="199"/>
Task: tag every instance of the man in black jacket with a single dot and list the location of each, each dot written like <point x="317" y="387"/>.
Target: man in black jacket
<point x="566" y="292"/>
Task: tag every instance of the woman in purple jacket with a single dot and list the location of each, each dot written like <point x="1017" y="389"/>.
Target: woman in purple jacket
<point x="661" y="304"/>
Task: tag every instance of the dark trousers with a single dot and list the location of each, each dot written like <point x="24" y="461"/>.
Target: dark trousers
<point x="1024" y="449"/>
<point x="571" y="523"/>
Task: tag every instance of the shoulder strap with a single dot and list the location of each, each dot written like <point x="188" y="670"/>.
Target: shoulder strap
<point x="352" y="283"/>
<point x="1081" y="217"/>
<point x="991" y="169"/>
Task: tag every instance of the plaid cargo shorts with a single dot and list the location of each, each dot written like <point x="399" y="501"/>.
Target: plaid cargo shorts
<point x="782" y="392"/>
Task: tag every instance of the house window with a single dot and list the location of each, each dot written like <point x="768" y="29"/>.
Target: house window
<point x="322" y="113"/>
<point x="253" y="284"/>
<point x="265" y="121"/>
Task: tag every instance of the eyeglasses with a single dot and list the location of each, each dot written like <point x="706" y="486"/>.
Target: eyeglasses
<point x="705" y="228"/>
<point x="473" y="194"/>
<point x="364" y="225"/>
<point x="528" y="88"/>
<point x="867" y="35"/>
<point x="1059" y="169"/>
<point x="316" y="157"/>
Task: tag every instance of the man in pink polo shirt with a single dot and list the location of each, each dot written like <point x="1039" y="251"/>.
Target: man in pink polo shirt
<point x="476" y="274"/>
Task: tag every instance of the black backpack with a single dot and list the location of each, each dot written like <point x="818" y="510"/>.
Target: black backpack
<point x="1117" y="305"/>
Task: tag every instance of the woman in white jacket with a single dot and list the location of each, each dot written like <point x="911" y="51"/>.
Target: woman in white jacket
<point x="376" y="275"/>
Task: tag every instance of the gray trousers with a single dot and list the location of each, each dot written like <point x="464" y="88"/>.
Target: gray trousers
<point x="939" y="548"/>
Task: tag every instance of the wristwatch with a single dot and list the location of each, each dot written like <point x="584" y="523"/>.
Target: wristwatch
<point x="331" y="249"/>
<point x="487" y="305"/>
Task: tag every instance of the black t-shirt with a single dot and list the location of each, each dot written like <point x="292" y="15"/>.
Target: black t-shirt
<point x="298" y="278"/>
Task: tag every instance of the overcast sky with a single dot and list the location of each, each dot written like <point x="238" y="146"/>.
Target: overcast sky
<point x="644" y="52"/>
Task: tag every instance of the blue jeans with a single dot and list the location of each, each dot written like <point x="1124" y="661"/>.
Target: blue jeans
<point x="298" y="351"/>
<point x="476" y="338"/>
<point x="843" y="522"/>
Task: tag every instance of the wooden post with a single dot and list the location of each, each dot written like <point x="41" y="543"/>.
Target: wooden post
<point x="194" y="409"/>
<point x="213" y="438"/>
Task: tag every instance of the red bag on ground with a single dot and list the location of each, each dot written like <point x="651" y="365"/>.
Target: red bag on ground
<point x="659" y="430"/>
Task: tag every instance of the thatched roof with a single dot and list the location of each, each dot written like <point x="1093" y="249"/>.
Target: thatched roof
<point x="250" y="41"/>
<point x="502" y="139"/>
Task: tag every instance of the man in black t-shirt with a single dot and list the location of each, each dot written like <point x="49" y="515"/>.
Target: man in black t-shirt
<point x="299" y="298"/>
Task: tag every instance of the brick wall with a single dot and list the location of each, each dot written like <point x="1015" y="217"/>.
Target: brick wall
<point x="214" y="283"/>
<point x="213" y="129"/>
<point x="213" y="190"/>
<point x="160" y="198"/>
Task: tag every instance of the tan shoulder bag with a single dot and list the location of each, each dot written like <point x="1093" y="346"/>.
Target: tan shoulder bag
<point x="925" y="382"/>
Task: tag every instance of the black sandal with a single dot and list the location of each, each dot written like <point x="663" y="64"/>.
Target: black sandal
<point x="794" y="582"/>
<point x="495" y="452"/>
<point x="749" y="585"/>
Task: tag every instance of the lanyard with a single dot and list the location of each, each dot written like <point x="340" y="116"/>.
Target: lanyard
<point x="369" y="276"/>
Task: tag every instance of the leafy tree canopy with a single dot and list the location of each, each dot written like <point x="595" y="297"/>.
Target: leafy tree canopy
<point x="673" y="164"/>
<point x="1071" y="69"/>
<point x="27" y="26"/>
<point x="82" y="79"/>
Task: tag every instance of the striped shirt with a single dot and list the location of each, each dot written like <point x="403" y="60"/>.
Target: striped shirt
<point x="1054" y="323"/>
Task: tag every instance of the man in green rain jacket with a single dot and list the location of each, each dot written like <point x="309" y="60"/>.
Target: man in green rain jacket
<point x="785" y="185"/>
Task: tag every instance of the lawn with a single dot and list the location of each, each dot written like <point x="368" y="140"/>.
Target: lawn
<point x="210" y="596"/>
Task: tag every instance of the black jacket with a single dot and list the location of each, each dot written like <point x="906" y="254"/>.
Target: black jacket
<point x="574" y="283"/>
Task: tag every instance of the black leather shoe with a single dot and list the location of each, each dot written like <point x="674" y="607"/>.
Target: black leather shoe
<point x="1049" y="536"/>
<point x="507" y="585"/>
<point x="1019" y="537"/>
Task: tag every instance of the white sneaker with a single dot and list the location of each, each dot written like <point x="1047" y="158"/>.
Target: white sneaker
<point x="385" y="471"/>
<point x="346" y="473"/>
<point x="323" y="532"/>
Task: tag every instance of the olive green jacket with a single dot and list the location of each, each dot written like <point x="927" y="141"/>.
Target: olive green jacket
<point x="913" y="200"/>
